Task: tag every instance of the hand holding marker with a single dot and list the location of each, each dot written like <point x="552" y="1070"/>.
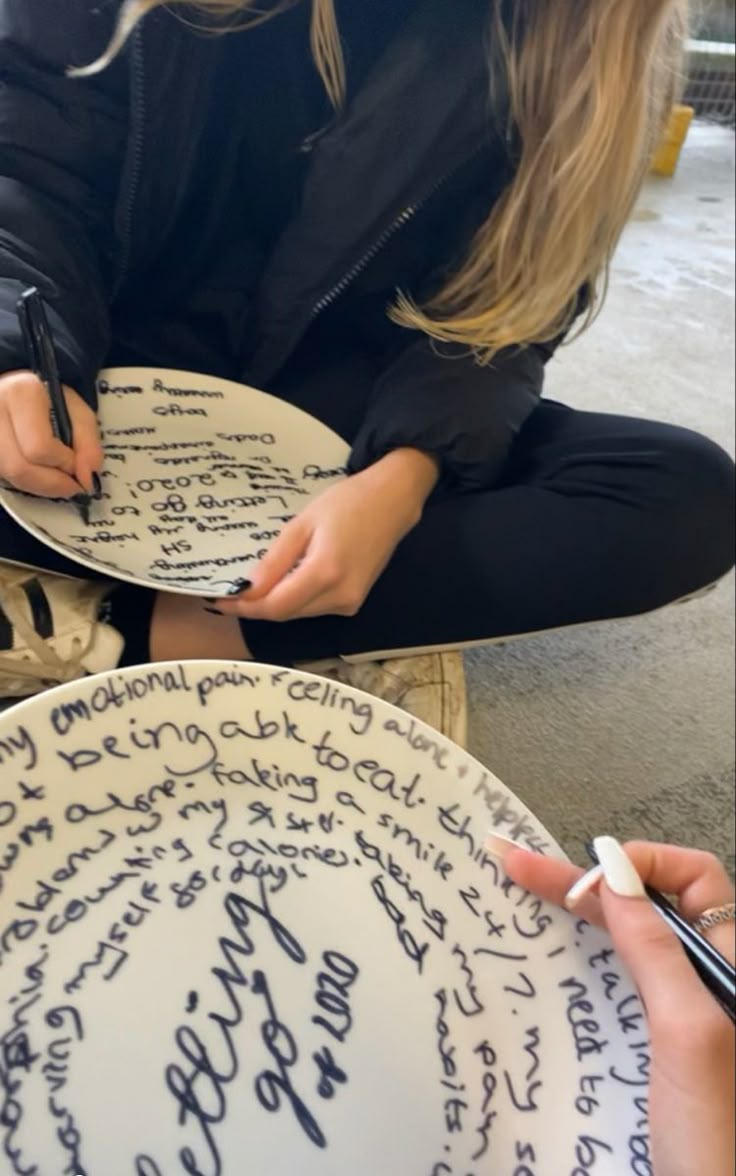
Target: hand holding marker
<point x="42" y="361"/>
<point x="542" y="876"/>
<point x="692" y="1076"/>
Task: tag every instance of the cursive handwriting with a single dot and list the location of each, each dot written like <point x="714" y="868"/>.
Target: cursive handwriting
<point x="199" y="1081"/>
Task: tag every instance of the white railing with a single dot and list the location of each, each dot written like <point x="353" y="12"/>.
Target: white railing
<point x="711" y="85"/>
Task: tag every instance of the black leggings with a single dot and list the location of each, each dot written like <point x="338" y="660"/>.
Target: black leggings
<point x="597" y="516"/>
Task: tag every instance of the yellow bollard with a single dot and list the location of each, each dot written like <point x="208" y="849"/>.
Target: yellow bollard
<point x="668" y="153"/>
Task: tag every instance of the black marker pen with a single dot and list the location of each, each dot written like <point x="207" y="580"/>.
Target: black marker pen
<point x="42" y="361"/>
<point x="717" y="974"/>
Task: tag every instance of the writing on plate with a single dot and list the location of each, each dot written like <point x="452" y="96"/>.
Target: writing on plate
<point x="255" y="909"/>
<point x="200" y="477"/>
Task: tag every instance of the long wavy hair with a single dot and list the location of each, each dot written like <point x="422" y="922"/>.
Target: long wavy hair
<point x="591" y="84"/>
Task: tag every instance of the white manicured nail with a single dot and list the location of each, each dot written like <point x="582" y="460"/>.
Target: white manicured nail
<point x="618" y="870"/>
<point x="582" y="887"/>
<point x="499" y="845"/>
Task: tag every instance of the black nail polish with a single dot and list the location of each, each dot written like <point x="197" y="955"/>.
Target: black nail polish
<point x="81" y="501"/>
<point x="239" y="586"/>
<point x="215" y="612"/>
<point x="97" y="485"/>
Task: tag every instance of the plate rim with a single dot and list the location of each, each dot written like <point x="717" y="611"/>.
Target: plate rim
<point x="7" y="493"/>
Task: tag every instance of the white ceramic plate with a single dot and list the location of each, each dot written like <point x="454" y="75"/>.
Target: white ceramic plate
<point x="200" y="476"/>
<point x="249" y="926"/>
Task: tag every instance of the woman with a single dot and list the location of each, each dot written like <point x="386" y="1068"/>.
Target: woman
<point x="378" y="242"/>
<point x="691" y="1081"/>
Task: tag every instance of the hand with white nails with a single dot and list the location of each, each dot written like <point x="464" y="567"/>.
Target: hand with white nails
<point x="692" y="1080"/>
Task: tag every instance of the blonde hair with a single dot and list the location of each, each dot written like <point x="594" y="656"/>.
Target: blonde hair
<point x="324" y="33"/>
<point x="590" y="89"/>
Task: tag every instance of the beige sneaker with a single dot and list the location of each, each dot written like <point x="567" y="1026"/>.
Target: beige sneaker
<point x="430" y="686"/>
<point x="50" y="631"/>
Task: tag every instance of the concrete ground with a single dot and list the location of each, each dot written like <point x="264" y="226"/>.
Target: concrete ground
<point x="627" y="727"/>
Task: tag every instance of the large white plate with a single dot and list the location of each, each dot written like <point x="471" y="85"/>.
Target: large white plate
<point x="249" y="926"/>
<point x="200" y="476"/>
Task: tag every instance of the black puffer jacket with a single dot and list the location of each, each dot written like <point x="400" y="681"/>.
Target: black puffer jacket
<point x="100" y="178"/>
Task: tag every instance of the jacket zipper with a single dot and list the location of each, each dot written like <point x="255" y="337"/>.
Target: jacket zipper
<point x="138" y="118"/>
<point x="356" y="270"/>
<point x="403" y="219"/>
